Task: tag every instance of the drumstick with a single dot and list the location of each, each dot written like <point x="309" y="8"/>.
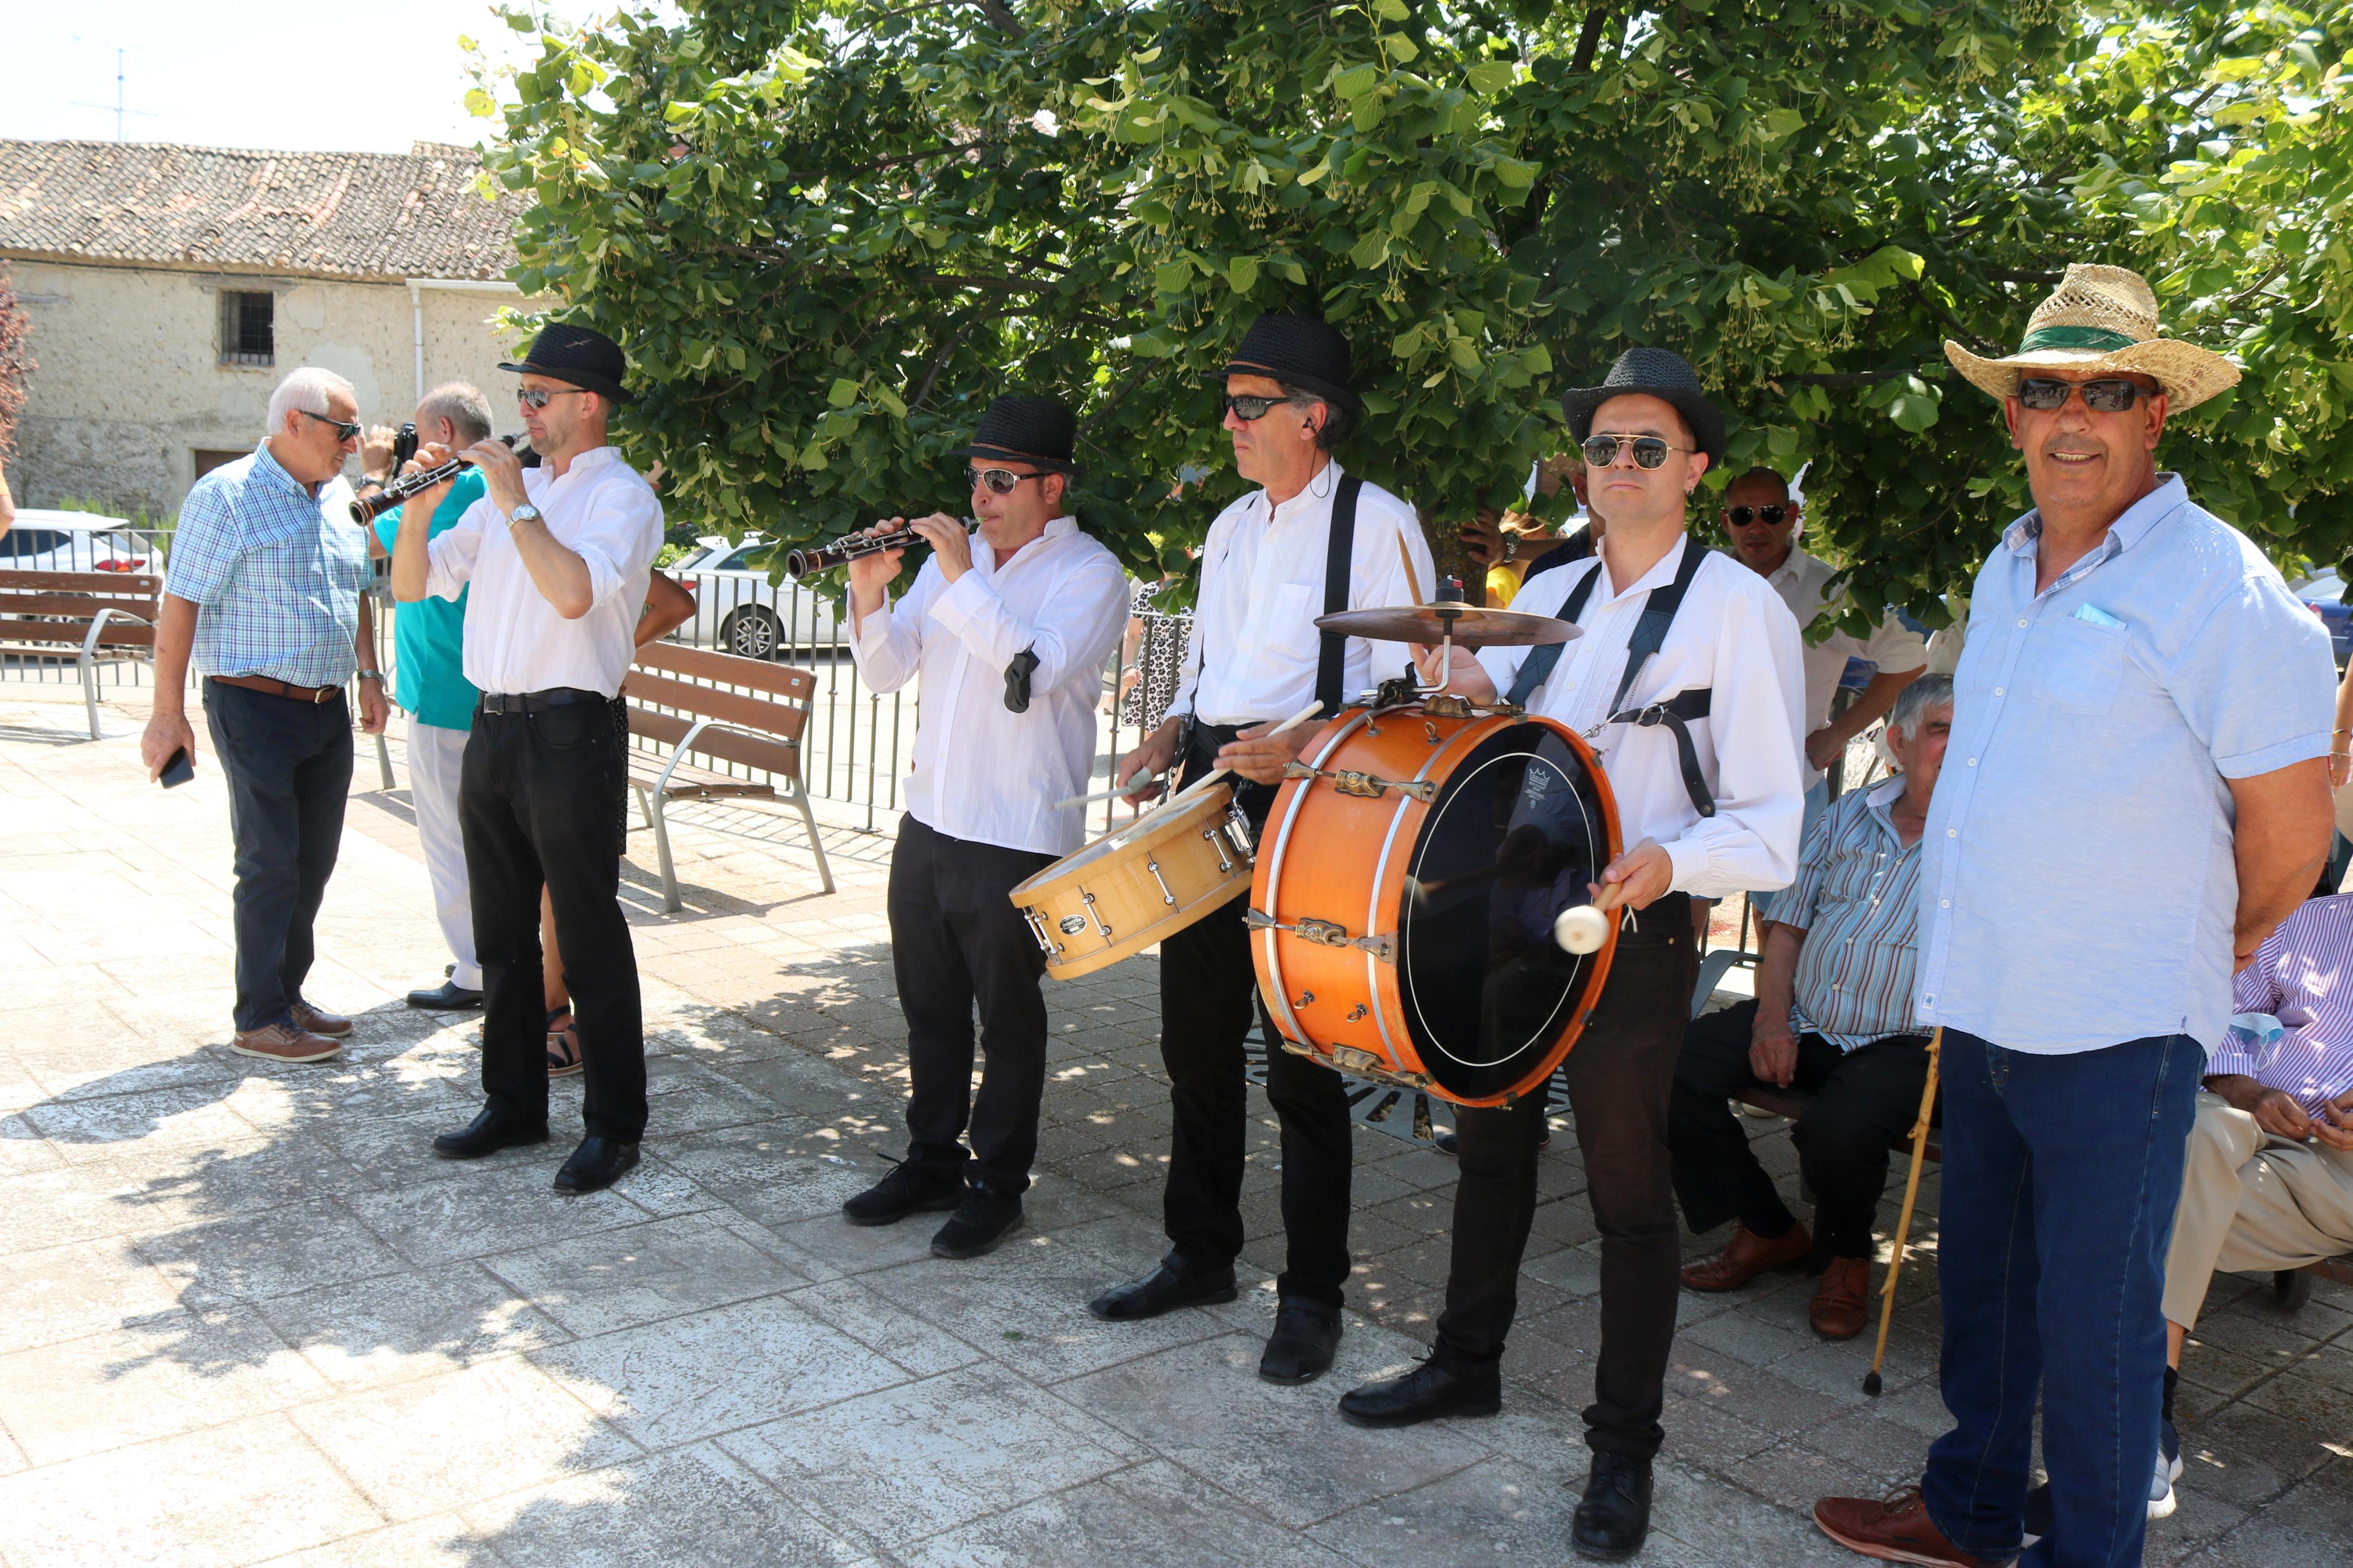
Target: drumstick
<point x="1405" y="559"/>
<point x="1297" y="719"/>
<point x="1143" y="780"/>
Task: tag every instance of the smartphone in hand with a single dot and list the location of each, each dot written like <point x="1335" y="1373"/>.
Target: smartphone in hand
<point x="179" y="770"/>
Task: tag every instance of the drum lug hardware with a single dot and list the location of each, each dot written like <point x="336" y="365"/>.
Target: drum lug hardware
<point x="1364" y="786"/>
<point x="1431" y="729"/>
<point x="1304" y="998"/>
<point x="1325" y="933"/>
<point x="1361" y="1011"/>
<point x="1165" y="896"/>
<point x="1218" y="842"/>
<point x="1447" y="705"/>
<point x="1089" y="900"/>
<point x="1038" y="929"/>
<point x="1381" y="947"/>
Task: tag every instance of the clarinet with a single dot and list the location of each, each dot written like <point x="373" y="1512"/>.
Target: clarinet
<point x="367" y="509"/>
<point x="799" y="563"/>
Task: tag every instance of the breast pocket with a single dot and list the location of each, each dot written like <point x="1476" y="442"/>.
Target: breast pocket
<point x="2078" y="666"/>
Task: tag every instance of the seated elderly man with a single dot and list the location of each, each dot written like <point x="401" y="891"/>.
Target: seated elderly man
<point x="1833" y="1018"/>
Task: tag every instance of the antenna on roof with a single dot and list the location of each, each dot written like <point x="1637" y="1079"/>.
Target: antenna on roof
<point x="120" y="110"/>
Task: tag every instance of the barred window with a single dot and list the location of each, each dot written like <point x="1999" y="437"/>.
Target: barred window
<point x="248" y="335"/>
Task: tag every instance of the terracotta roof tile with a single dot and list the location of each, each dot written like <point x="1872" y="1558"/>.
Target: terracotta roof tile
<point x="366" y="214"/>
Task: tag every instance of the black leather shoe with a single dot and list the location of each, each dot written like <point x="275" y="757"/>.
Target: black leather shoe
<point x="1430" y="1391"/>
<point x="597" y="1163"/>
<point x="979" y="1223"/>
<point x="1614" y="1514"/>
<point x="1174" y="1284"/>
<point x="446" y="998"/>
<point x="487" y="1134"/>
<point x="908" y="1189"/>
<point x="1299" y="1350"/>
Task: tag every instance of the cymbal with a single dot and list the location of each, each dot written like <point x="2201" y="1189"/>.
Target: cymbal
<point x="1426" y="624"/>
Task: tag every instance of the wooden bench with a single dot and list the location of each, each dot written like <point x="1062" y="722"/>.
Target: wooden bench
<point x="754" y="730"/>
<point x="83" y="610"/>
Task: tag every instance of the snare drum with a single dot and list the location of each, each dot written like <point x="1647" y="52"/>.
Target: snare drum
<point x="1140" y="883"/>
<point x="1401" y="914"/>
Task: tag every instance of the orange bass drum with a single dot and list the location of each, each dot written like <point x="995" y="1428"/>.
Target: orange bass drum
<point x="1408" y="879"/>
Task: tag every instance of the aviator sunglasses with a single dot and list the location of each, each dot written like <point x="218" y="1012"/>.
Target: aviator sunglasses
<point x="1742" y="516"/>
<point x="345" y="429"/>
<point x="538" y="397"/>
<point x="1649" y="451"/>
<point x="2044" y="394"/>
<point x="1000" y="481"/>
<point x="1250" y="409"/>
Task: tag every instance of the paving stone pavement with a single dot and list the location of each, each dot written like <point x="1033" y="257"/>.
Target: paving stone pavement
<point x="248" y="1317"/>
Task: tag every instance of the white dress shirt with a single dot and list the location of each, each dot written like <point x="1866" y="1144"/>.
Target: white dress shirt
<point x="602" y="511"/>
<point x="1734" y="635"/>
<point x="1803" y="584"/>
<point x="1262" y="588"/>
<point x="982" y="773"/>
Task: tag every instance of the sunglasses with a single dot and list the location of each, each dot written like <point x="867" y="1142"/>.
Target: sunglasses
<point x="345" y="429"/>
<point x="539" y="397"/>
<point x="1742" y="516"/>
<point x="1649" y="451"/>
<point x="1250" y="410"/>
<point x="1000" y="481"/>
<point x="2044" y="394"/>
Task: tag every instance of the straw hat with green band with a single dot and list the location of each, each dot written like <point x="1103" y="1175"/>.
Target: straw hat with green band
<point x="2102" y="318"/>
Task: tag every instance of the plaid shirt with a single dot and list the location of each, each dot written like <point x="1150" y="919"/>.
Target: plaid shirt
<point x="275" y="574"/>
<point x="1857" y="899"/>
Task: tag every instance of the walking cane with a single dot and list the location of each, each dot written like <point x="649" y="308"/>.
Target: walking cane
<point x="1904" y="1221"/>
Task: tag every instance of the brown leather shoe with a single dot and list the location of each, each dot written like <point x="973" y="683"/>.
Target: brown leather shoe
<point x="1840" y="1303"/>
<point x="285" y="1043"/>
<point x="309" y="1017"/>
<point x="1747" y="1256"/>
<point x="1895" y="1528"/>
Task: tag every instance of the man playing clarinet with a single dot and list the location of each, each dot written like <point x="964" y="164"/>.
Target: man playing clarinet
<point x="1005" y="632"/>
<point x="1311" y="541"/>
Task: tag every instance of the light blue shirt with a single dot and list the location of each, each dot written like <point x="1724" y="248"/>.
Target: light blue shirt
<point x="2078" y="886"/>
<point x="275" y="571"/>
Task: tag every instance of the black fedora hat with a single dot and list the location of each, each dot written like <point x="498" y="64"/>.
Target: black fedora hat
<point x="1656" y="373"/>
<point x="1304" y="351"/>
<point x="581" y="355"/>
<point x="1040" y="431"/>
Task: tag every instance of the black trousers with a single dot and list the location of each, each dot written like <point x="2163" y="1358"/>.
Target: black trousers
<point x="538" y="805"/>
<point x="956" y="939"/>
<point x="288" y="767"/>
<point x="1209" y="992"/>
<point x="1864" y="1099"/>
<point x="1620" y="1072"/>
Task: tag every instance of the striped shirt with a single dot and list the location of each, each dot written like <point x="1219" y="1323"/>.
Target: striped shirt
<point x="1857" y="899"/>
<point x="275" y="573"/>
<point x="2293" y="978"/>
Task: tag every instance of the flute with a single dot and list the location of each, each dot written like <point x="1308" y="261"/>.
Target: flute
<point x="367" y="509"/>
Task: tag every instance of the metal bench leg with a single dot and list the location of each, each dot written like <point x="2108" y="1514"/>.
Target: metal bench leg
<point x="671" y="903"/>
<point x="645" y="801"/>
<point x="816" y="846"/>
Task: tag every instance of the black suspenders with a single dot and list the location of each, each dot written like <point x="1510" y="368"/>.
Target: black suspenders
<point x="1340" y="550"/>
<point x="1676" y="713"/>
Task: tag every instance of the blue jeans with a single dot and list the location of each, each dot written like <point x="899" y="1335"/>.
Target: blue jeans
<point x="2061" y="1175"/>
<point x="289" y="768"/>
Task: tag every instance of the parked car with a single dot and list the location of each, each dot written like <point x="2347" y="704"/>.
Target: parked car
<point x="739" y="611"/>
<point x="2324" y="596"/>
<point x="47" y="540"/>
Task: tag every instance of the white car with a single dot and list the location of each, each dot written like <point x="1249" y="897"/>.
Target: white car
<point x="47" y="540"/>
<point x="739" y="611"/>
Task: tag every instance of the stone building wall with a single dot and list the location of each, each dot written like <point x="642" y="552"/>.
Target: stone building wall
<point x="130" y="386"/>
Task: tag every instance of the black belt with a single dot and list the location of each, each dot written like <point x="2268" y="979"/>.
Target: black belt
<point x="1676" y="713"/>
<point x="534" y="701"/>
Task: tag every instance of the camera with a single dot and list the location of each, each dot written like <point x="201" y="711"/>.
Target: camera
<point x="404" y="447"/>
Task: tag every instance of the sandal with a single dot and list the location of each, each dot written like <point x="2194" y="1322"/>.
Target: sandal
<point x="563" y="1044"/>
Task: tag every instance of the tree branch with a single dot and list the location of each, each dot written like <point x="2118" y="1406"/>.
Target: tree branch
<point x="1588" y="39"/>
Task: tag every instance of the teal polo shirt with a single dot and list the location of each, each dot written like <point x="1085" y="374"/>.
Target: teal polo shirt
<point x="429" y="638"/>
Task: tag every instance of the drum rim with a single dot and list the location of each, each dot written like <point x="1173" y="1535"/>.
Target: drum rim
<point x="1179" y="811"/>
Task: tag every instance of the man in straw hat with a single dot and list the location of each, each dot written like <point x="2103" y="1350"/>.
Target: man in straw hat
<point x="1004" y="631"/>
<point x="1312" y="539"/>
<point x="1689" y="682"/>
<point x="2132" y="796"/>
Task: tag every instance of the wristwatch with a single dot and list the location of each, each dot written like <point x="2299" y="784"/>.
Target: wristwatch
<point x="523" y="513"/>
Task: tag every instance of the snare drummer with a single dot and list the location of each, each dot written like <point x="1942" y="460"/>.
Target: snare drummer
<point x="1310" y="541"/>
<point x="1729" y="669"/>
<point x="1007" y="631"/>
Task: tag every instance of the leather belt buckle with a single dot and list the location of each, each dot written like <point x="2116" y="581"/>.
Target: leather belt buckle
<point x="319" y="696"/>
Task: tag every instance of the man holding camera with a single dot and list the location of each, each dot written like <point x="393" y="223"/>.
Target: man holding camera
<point x="559" y="557"/>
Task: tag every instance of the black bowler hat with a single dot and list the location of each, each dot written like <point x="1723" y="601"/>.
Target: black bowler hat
<point x="1040" y="431"/>
<point x="1655" y="373"/>
<point x="1304" y="351"/>
<point x="581" y="355"/>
